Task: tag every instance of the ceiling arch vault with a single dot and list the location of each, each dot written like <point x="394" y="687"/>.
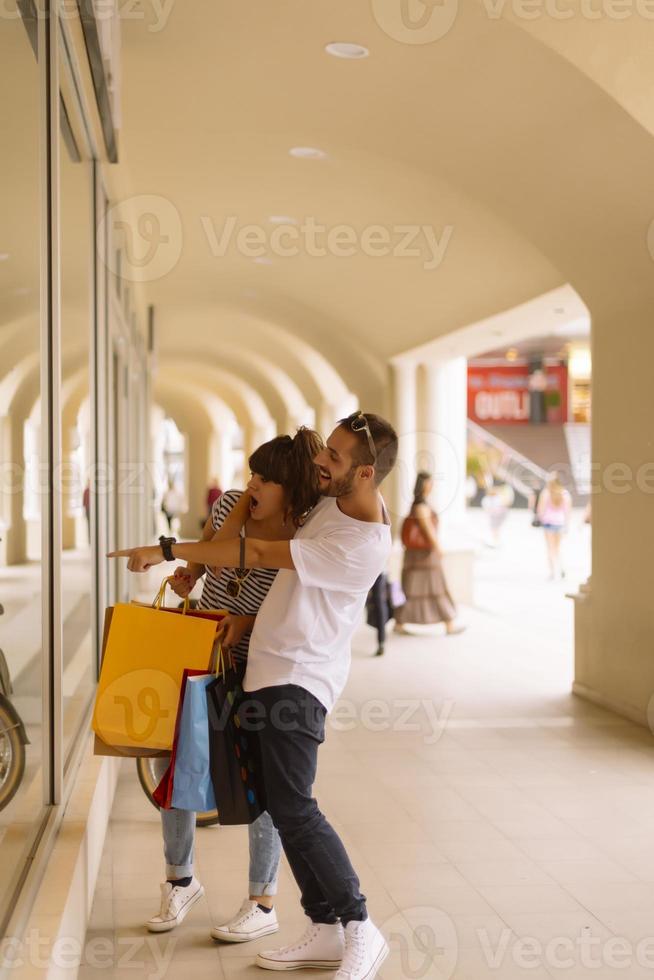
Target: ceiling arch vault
<point x="461" y="178"/>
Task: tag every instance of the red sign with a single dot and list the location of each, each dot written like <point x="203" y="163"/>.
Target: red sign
<point x="501" y="395"/>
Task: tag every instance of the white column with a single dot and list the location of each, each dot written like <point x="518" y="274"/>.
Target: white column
<point x="442" y="440"/>
<point x="406" y="424"/>
<point x="221" y="462"/>
<point x="326" y="418"/>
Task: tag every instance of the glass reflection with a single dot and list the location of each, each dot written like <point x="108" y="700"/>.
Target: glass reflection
<point x="76" y="318"/>
<point x="21" y="497"/>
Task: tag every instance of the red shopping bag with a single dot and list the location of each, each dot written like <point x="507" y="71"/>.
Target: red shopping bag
<point x="163" y="794"/>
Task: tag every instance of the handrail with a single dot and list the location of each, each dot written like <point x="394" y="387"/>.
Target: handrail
<point x="509" y="458"/>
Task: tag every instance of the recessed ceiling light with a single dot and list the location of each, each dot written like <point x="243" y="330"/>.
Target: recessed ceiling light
<point x="512" y="354"/>
<point x="559" y="310"/>
<point x="343" y="49"/>
<point x="263" y="260"/>
<point x="307" y="153"/>
<point x="282" y="219"/>
<point x="4" y="256"/>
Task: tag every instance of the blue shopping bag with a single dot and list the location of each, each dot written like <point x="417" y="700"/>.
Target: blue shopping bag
<point x="192" y="784"/>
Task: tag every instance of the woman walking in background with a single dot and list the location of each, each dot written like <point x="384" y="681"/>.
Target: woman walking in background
<point x="428" y="599"/>
<point x="554" y="506"/>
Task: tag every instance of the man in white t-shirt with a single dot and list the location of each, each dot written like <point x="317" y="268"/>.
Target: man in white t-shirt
<point x="298" y="665"/>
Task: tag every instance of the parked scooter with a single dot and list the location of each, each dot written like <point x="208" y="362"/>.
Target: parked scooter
<point x="13" y="738"/>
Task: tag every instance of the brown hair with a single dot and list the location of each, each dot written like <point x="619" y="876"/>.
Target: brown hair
<point x="385" y="439"/>
<point x="422" y="478"/>
<point x="288" y="460"/>
<point x="556" y="489"/>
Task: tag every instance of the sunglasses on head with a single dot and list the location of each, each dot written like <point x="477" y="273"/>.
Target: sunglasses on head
<point x="360" y="424"/>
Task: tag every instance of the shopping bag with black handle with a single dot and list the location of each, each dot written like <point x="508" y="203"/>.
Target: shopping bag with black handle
<point x="234" y="757"/>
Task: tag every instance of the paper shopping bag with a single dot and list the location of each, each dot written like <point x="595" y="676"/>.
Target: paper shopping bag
<point x="163" y="794"/>
<point x="118" y="751"/>
<point x="233" y="754"/>
<point x="144" y="660"/>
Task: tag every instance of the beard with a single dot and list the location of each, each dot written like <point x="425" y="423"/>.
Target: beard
<point x="338" y="488"/>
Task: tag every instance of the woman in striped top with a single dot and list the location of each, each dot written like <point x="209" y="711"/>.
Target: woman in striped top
<point x="283" y="489"/>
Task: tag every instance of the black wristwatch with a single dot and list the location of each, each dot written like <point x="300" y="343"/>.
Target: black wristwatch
<point x="167" y="547"/>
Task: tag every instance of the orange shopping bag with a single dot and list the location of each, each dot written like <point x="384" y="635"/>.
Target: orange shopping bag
<point x="145" y="655"/>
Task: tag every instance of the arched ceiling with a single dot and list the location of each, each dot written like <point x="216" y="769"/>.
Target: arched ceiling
<point x="517" y="148"/>
<point x="252" y="371"/>
<point x="243" y="401"/>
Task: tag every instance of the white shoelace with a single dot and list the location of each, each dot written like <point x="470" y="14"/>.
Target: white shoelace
<point x="170" y="901"/>
<point x="355" y="951"/>
<point x="309" y="935"/>
<point x="247" y="912"/>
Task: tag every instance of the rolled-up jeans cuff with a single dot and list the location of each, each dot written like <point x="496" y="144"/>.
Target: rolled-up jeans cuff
<point x="174" y="871"/>
<point x="263" y="888"/>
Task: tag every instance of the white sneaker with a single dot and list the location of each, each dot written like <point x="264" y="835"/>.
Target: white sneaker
<point x="176" y="903"/>
<point x="365" y="951"/>
<point x="249" y="923"/>
<point x="321" y="947"/>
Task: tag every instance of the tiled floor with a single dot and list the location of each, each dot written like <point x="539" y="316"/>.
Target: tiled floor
<point x="501" y="828"/>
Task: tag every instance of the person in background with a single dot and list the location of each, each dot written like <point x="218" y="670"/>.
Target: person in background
<point x="497" y="502"/>
<point x="428" y="598"/>
<point x="86" y="504"/>
<point x="554" y="507"/>
<point x="214" y="493"/>
<point x="379" y="610"/>
<point x="171" y="504"/>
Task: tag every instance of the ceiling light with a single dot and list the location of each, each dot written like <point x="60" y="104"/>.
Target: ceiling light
<point x="263" y="260"/>
<point x="4" y="256"/>
<point x="307" y="153"/>
<point x="580" y="363"/>
<point x="343" y="49"/>
<point x="512" y="354"/>
<point x="282" y="219"/>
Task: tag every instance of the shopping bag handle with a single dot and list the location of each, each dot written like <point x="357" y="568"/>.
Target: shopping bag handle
<point x="161" y="595"/>
<point x="220" y="661"/>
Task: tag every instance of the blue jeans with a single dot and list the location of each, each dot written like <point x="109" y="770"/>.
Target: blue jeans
<point x="179" y="838"/>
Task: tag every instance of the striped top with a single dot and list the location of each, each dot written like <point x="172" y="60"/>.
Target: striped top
<point x="254" y="589"/>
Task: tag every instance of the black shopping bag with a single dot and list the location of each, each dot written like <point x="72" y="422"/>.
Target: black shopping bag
<point x="234" y="756"/>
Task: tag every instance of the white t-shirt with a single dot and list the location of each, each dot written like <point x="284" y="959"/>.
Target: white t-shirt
<point x="303" y="630"/>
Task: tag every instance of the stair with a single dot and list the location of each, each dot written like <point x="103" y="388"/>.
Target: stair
<point x="553" y="447"/>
